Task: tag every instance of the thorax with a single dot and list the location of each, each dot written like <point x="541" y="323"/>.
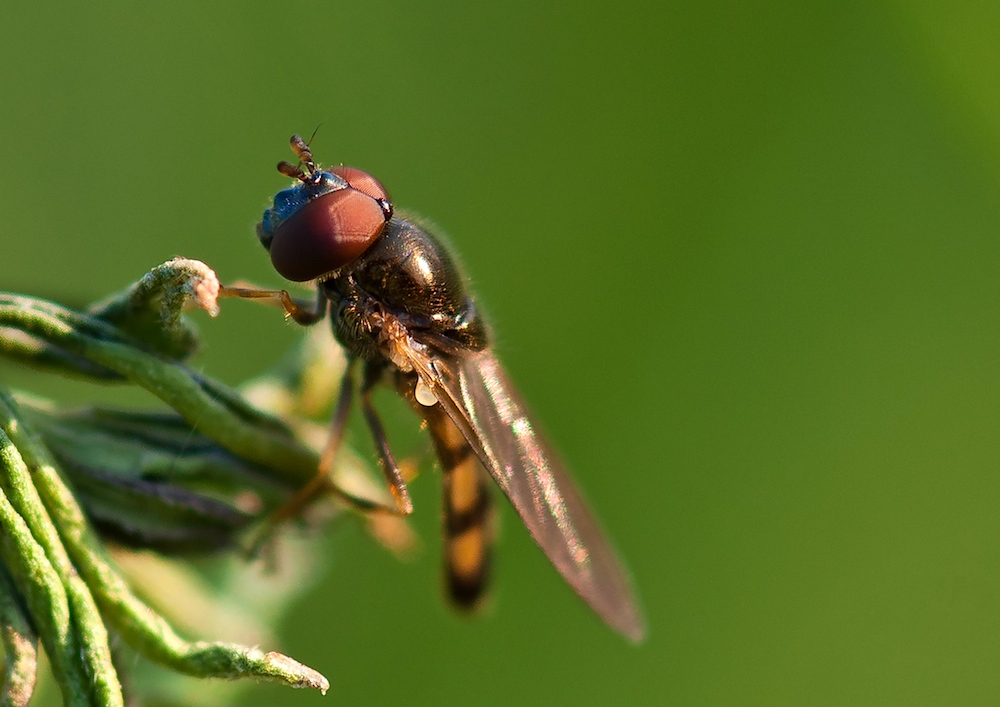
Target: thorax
<point x="405" y="284"/>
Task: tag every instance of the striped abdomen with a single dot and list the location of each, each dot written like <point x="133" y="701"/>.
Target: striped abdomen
<point x="468" y="521"/>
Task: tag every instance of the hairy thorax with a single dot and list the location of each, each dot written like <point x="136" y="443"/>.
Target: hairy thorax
<point x="405" y="291"/>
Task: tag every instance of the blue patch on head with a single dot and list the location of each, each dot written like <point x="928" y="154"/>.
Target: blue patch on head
<point x="288" y="202"/>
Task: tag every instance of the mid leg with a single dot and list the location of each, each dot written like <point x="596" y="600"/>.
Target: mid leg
<point x="390" y="469"/>
<point x="322" y="481"/>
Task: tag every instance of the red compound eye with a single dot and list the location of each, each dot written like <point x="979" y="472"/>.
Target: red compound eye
<point x="328" y="232"/>
<point x="362" y="181"/>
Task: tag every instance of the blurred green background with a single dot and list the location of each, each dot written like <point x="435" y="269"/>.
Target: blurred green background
<point x="742" y="260"/>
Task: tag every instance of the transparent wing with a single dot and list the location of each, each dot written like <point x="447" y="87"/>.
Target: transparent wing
<point x="476" y="393"/>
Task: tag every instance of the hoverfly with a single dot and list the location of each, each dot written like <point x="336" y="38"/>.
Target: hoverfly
<point x="398" y="305"/>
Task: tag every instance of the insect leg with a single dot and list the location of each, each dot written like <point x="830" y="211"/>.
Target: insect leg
<point x="321" y="482"/>
<point x="301" y="313"/>
<point x="390" y="469"/>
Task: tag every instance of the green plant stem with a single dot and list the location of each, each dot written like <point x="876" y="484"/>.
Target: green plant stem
<point x="142" y="627"/>
<point x="20" y="647"/>
<point x="57" y="562"/>
<point x="43" y="592"/>
<point x="93" y="636"/>
<point x="223" y="417"/>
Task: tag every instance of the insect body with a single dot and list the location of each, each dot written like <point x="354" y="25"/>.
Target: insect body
<point x="399" y="307"/>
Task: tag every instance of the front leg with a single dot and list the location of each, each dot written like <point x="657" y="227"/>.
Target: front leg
<point x="301" y="313"/>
